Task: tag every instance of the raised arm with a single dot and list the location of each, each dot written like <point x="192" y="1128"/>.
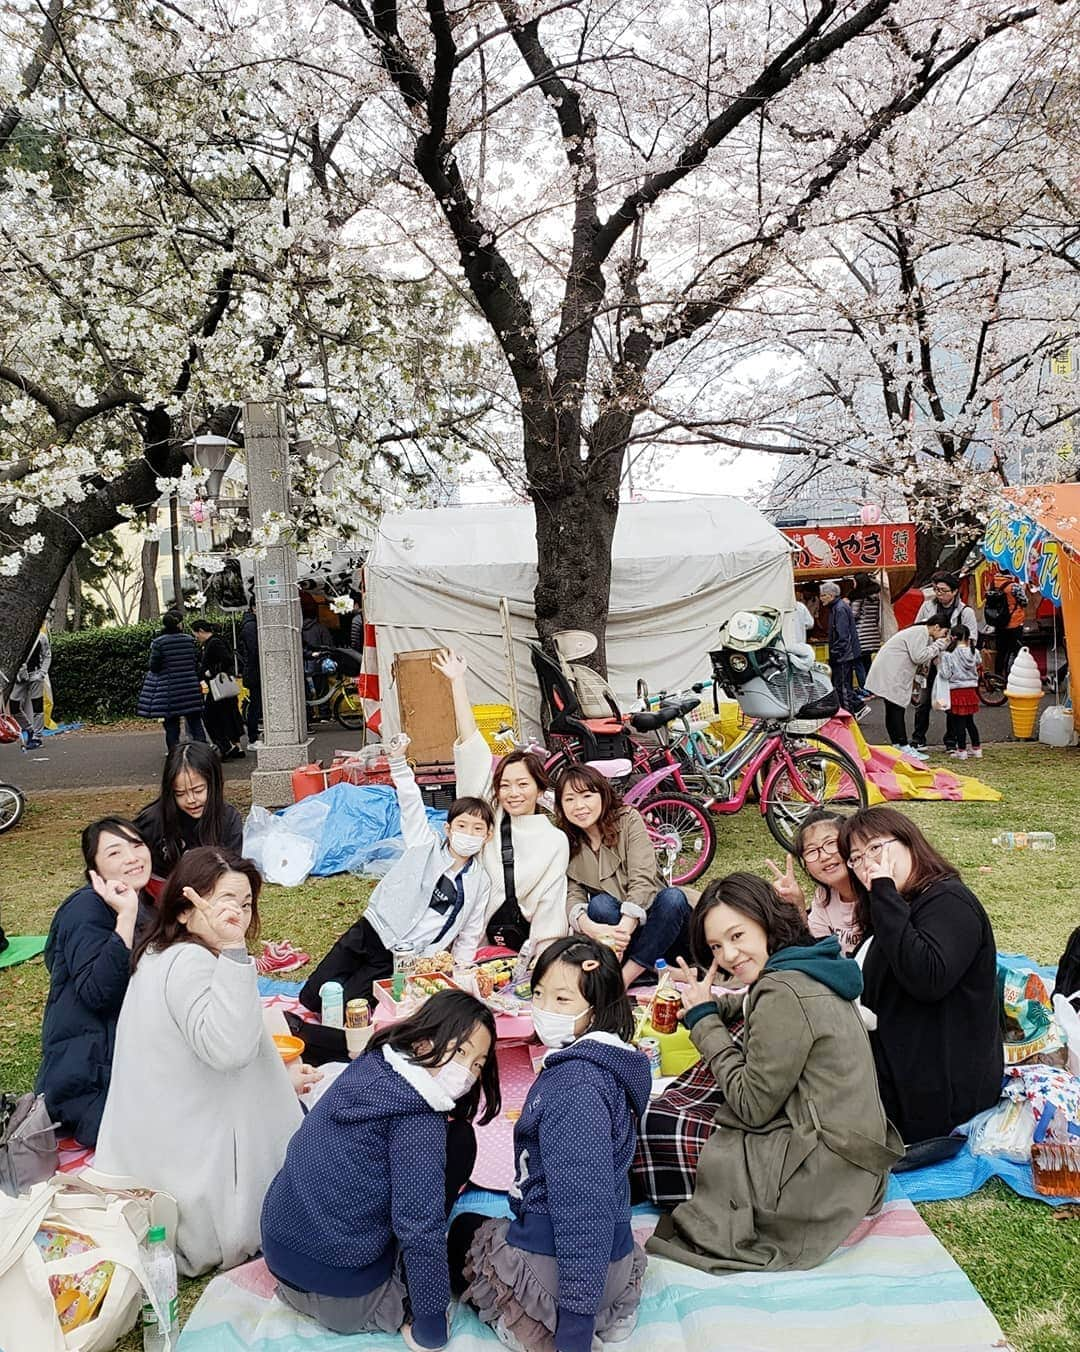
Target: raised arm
<point x="414" y="823"/>
<point x="454" y="667"/>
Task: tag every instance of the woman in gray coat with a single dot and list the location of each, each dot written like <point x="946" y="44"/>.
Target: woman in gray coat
<point x="803" y="1148"/>
<point x="893" y="670"/>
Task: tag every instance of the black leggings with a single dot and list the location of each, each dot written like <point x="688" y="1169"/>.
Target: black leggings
<point x="896" y="723"/>
<point x="959" y="727"/>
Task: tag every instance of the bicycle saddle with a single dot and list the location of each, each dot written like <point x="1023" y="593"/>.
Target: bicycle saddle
<point x="611" y="769"/>
<point x="660" y="718"/>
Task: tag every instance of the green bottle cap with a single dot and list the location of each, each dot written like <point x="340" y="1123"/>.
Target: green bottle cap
<point x="156" y="1234"/>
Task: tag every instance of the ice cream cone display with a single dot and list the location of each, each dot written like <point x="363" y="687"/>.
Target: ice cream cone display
<point x="1024" y="692"/>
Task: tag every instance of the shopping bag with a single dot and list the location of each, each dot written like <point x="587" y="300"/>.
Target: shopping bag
<point x="939" y="696"/>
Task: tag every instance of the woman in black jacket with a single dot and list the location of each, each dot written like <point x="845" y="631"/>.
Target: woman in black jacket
<point x="191" y="809"/>
<point x="223" y="721"/>
<point x="929" y="976"/>
<point x="171" y="690"/>
<point x="88" y="955"/>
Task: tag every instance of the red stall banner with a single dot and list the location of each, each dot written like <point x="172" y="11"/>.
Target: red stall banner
<point x="835" y="550"/>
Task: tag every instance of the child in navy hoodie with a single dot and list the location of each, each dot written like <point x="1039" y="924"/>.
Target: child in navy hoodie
<point x="354" y="1224"/>
<point x="566" y="1267"/>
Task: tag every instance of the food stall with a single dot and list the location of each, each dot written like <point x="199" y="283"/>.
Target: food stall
<point x="1034" y="534"/>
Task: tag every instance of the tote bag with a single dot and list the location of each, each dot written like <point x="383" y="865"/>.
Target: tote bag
<point x="223" y="686"/>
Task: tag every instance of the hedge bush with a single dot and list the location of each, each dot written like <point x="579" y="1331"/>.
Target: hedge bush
<point x="97" y="674"/>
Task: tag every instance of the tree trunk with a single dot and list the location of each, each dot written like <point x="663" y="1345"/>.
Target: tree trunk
<point x="62" y="600"/>
<point x="76" y="595"/>
<point x="149" y="601"/>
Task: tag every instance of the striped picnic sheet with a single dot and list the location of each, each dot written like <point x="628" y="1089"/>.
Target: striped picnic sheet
<point x="890" y="1287"/>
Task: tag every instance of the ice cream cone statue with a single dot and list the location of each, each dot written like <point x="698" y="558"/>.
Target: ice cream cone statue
<point x="1024" y="692"/>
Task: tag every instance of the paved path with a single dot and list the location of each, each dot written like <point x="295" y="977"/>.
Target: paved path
<point x="81" y="760"/>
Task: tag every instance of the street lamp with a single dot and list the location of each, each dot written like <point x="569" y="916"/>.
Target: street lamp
<point x="214" y="454"/>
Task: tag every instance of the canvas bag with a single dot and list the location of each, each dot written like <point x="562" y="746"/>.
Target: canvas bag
<point x="223" y="686"/>
<point x="107" y="1210"/>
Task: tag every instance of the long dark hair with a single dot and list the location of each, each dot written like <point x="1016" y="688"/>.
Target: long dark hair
<point x="445" y="1021"/>
<point x="784" y="925"/>
<point x="107" y="826"/>
<point x="532" y="762"/>
<point x="200" y="869"/>
<point x="587" y="780"/>
<point x="600" y="981"/>
<point x="928" y="866"/>
<point x="202" y="759"/>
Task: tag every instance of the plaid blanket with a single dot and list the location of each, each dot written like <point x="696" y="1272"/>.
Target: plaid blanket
<point x="674" y="1129"/>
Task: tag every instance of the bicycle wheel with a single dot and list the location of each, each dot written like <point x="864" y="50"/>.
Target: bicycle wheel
<point x="682" y="831"/>
<point x="823" y="779"/>
<point x="12" y="806"/>
<point x="992" y="689"/>
<point x="348" y="710"/>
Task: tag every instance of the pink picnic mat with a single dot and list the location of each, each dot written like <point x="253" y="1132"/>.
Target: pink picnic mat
<point x="494" y="1168"/>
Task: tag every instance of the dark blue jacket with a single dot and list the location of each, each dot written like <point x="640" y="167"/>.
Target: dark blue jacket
<point x="843" y="633"/>
<point x="171" y="686"/>
<point x="571" y="1197"/>
<point x="365" y="1176"/>
<point x="248" y="649"/>
<point x="89" y="966"/>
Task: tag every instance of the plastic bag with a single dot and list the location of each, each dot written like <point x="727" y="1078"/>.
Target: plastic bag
<point x="1005" y="1132"/>
<point x="376" y="861"/>
<point x="282" y="855"/>
<point x="307" y="818"/>
<point x="939" y="696"/>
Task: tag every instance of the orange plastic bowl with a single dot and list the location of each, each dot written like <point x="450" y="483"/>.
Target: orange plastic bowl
<point x="289" y="1047"/>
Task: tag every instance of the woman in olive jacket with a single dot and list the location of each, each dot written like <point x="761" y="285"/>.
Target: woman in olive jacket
<point x="802" y="1149"/>
<point x="930" y="977"/>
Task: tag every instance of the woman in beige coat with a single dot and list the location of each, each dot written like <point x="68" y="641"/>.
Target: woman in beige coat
<point x="893" y="670"/>
<point x="802" y="1149"/>
<point x="615" y="892"/>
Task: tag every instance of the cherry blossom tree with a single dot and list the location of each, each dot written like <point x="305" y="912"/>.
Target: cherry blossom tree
<point x="177" y="234"/>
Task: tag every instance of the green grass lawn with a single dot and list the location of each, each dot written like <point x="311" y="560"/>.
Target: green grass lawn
<point x="1022" y="1256"/>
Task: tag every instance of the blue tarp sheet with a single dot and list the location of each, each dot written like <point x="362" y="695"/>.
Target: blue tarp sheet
<point x="361" y="817"/>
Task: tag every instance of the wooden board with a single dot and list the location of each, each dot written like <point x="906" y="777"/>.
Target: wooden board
<point x="426" y="706"/>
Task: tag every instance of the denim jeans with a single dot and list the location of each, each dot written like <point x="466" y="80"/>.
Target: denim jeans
<point x="667" y="918"/>
<point x="196" y="730"/>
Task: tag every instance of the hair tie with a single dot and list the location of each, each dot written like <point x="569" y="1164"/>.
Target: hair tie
<point x="589" y="965"/>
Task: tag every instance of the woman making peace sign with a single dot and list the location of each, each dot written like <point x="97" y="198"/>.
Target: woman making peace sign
<point x="834" y="908"/>
<point x="200" y="1104"/>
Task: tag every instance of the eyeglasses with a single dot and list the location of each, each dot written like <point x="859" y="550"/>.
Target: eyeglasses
<point x="871" y="851"/>
<point x="815" y="852"/>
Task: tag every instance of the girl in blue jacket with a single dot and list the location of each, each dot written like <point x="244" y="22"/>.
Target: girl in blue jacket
<point x="354" y="1224"/>
<point x="566" y="1267"/>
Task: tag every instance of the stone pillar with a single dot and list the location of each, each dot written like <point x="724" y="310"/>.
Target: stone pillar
<point x="277" y="608"/>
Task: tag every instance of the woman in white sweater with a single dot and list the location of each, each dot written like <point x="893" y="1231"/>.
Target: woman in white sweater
<point x="200" y="1104"/>
<point x="893" y="670"/>
<point x="527" y="855"/>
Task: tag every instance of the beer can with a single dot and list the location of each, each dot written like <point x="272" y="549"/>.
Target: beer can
<point x="665" y="1013"/>
<point x="404" y="958"/>
<point x="651" y="1048"/>
<point x="357" y="1013"/>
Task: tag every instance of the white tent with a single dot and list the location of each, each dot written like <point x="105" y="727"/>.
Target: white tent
<point x="435" y="579"/>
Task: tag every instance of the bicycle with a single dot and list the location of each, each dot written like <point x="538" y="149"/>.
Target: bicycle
<point x="12" y="807"/>
<point x="346" y="706"/>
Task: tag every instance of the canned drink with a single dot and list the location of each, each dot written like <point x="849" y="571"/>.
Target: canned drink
<point x="404" y="958"/>
<point x="665" y="1013"/>
<point x="357" y="1013"/>
<point x="651" y="1048"/>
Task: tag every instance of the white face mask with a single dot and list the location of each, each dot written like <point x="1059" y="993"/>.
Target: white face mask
<point x="465" y="845"/>
<point x="554" y="1030"/>
<point x="456" y="1079"/>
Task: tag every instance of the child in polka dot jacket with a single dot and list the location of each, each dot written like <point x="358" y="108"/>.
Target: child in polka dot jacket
<point x="565" y="1273"/>
<point x="354" y="1224"/>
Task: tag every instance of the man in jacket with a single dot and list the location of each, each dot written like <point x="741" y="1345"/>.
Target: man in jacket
<point x="248" y="651"/>
<point x="1009" y="629"/>
<point x="946" y="598"/>
<point x="28" y="692"/>
<point x="844" y="649"/>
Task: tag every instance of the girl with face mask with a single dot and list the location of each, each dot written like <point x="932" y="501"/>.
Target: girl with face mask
<point x="435" y="897"/>
<point x="355" y="1222"/>
<point x="566" y="1268"/>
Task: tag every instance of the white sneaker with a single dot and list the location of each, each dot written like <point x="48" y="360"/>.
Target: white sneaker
<point x="975" y="753"/>
<point x="958" y="755"/>
<point x="913" y="752"/>
<point x="256" y="746"/>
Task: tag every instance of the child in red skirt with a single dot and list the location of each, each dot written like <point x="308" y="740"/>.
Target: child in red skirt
<point x="959" y="666"/>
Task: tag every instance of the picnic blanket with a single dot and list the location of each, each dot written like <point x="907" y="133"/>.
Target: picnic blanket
<point x="891" y="776"/>
<point x="21" y="948"/>
<point x="891" y="1286"/>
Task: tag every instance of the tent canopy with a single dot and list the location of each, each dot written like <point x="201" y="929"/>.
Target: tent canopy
<point x="679" y="570"/>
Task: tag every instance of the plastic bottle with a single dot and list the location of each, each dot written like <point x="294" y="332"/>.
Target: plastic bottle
<point x="161" y="1271"/>
<point x="332" y="996"/>
<point x="1026" y="840"/>
<point x="664" y="1013"/>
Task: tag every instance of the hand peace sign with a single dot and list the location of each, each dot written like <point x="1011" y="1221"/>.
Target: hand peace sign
<point x="225" y="921"/>
<point x="119" y="896"/>
<point x="696" y="991"/>
<point x="785" y="884"/>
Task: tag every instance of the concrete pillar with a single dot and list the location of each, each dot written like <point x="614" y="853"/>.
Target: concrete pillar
<point x="277" y="609"/>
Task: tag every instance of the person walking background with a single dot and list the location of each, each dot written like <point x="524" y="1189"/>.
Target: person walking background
<point x="28" y="693"/>
<point x="866" y="607"/>
<point x="221" y="712"/>
<point x="248" y="651"/>
<point x="170" y="690"/>
<point x="843" y="644"/>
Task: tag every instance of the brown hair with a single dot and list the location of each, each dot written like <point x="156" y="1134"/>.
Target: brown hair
<point x="784" y="925"/>
<point x="200" y="869"/>
<point x="874" y="822"/>
<point x="532" y="763"/>
<point x="816" y="818"/>
<point x="587" y="780"/>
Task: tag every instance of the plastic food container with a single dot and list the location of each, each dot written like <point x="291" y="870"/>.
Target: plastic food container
<point x="289" y="1048"/>
<point x="397" y="1009"/>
